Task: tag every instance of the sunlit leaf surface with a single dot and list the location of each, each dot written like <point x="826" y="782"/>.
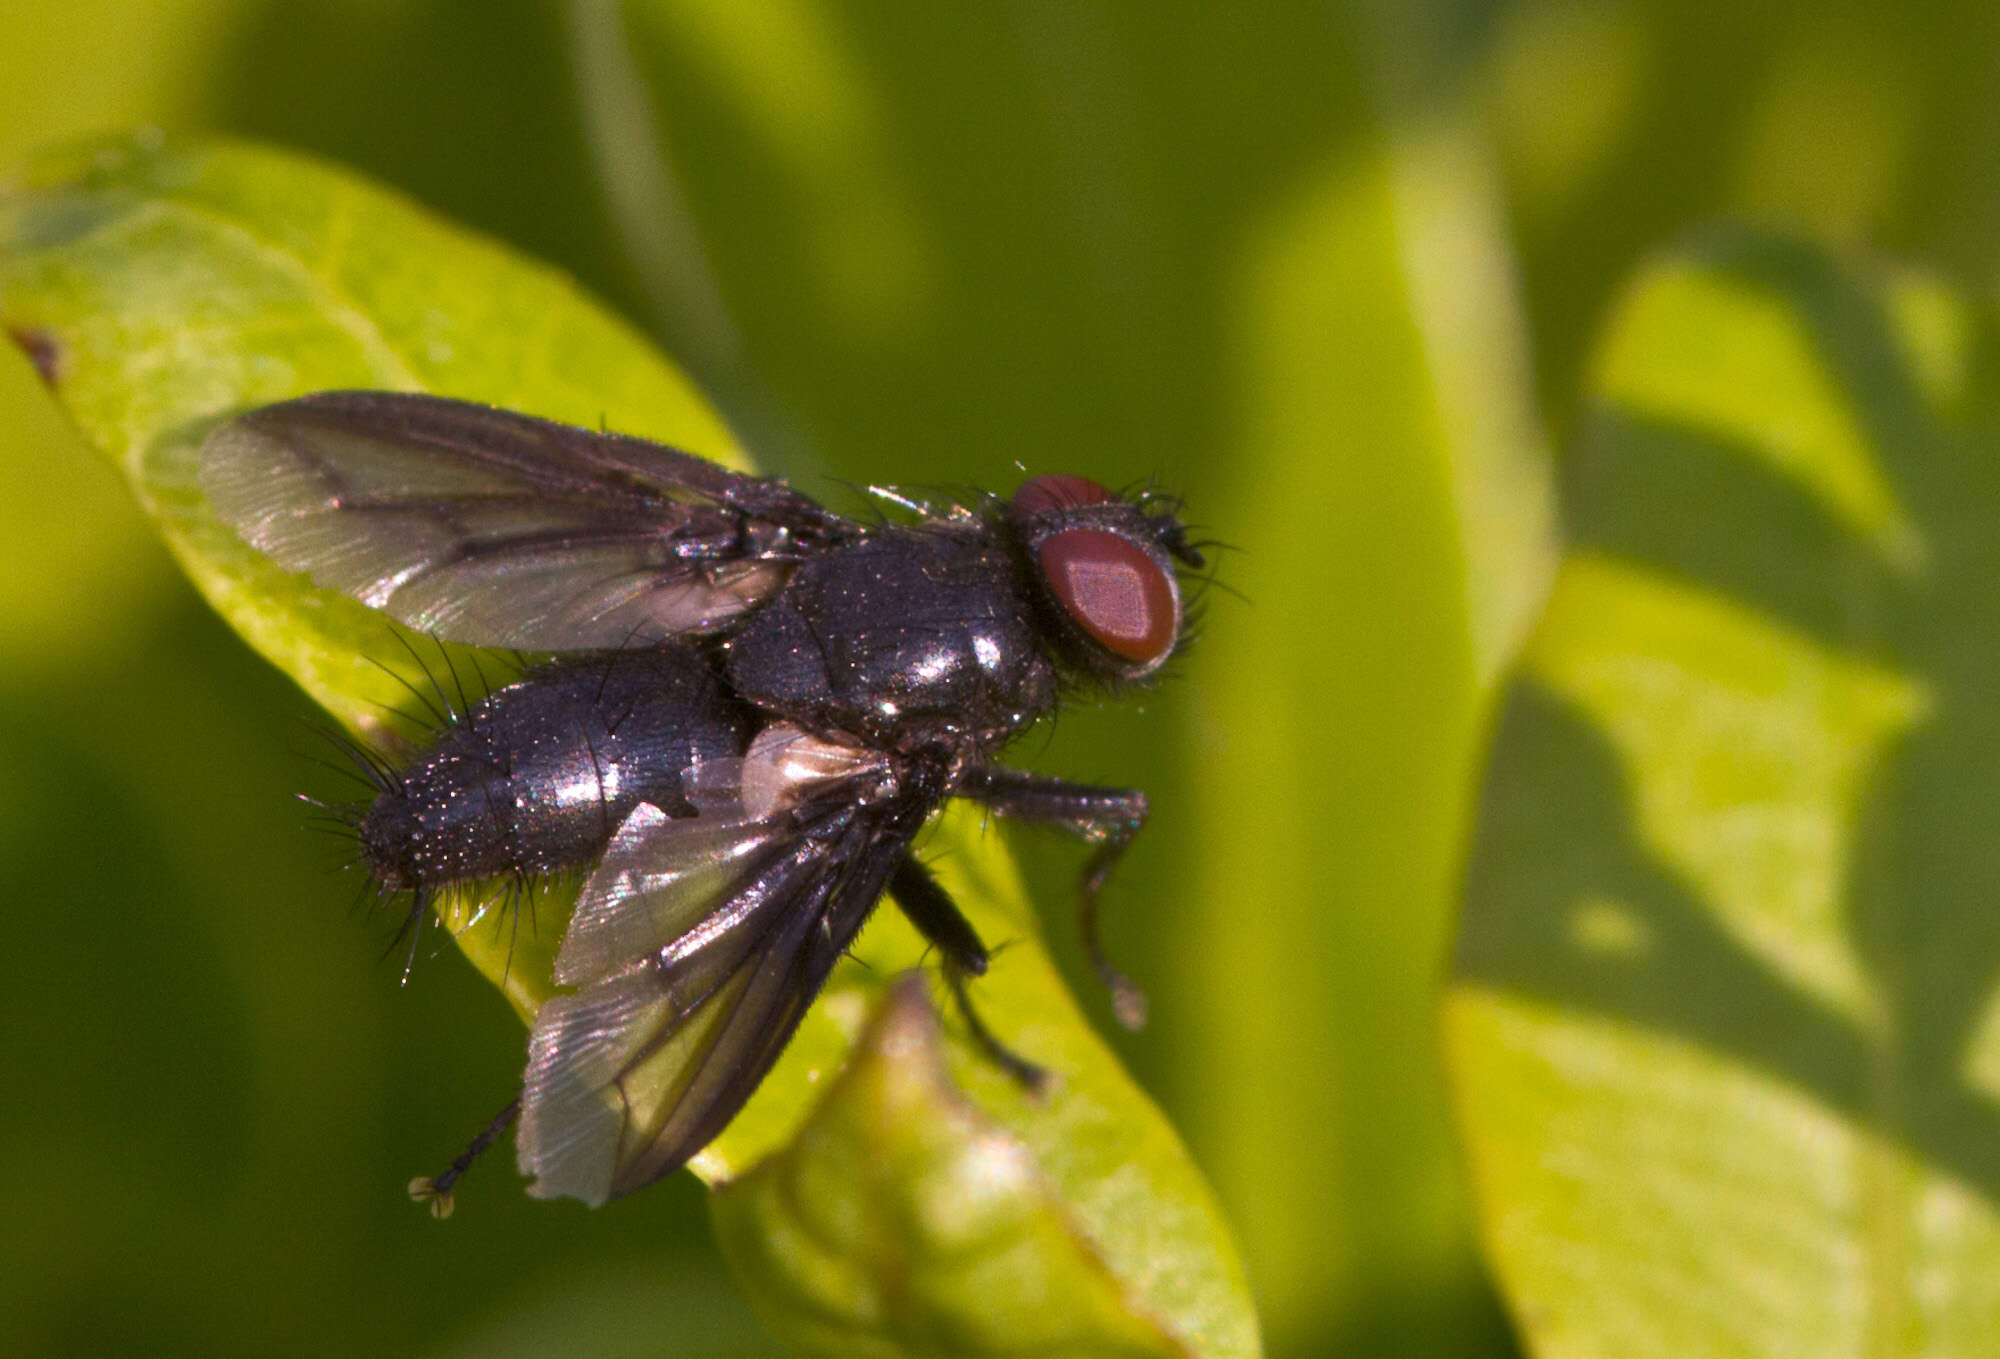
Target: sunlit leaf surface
<point x="1722" y="1019"/>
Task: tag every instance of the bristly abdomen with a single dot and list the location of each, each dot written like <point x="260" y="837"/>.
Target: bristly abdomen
<point x="535" y="777"/>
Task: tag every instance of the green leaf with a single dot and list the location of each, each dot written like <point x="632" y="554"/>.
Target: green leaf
<point x="1393" y="576"/>
<point x="905" y="1215"/>
<point x="1723" y="1021"/>
<point x="162" y="288"/>
<point x="1105" y="1172"/>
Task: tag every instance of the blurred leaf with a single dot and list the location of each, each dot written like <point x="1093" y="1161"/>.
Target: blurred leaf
<point x="1398" y="520"/>
<point x="614" y="1308"/>
<point x="160" y="289"/>
<point x="871" y="257"/>
<point x="65" y="71"/>
<point x="1103" y="1167"/>
<point x="73" y="70"/>
<point x="470" y="108"/>
<point x="909" y="1221"/>
<point x="1724" y="1025"/>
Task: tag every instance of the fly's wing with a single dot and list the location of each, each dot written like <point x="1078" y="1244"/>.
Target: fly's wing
<point x="485" y="526"/>
<point x="680" y="882"/>
<point x="698" y="943"/>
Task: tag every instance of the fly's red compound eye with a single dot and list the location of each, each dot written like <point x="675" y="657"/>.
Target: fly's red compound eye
<point x="1114" y="590"/>
<point x="1058" y="491"/>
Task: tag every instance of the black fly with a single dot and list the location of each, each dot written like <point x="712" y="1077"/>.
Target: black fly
<point x="755" y="705"/>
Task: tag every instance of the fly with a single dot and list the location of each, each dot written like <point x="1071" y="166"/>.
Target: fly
<point x="754" y="705"/>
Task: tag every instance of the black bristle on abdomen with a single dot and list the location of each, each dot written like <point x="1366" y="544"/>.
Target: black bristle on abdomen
<point x="536" y="777"/>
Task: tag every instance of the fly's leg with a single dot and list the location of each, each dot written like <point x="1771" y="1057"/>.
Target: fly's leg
<point x="436" y="1190"/>
<point x="937" y="917"/>
<point x="1108" y="817"/>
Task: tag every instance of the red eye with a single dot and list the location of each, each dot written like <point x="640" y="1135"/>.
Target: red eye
<point x="1113" y="589"/>
<point x="1038" y="495"/>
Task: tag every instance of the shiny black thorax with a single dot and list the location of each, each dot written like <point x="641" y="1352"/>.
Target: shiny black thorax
<point x="911" y="640"/>
<point x="536" y="777"/>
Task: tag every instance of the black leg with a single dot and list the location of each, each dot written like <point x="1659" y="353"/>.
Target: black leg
<point x="436" y="1190"/>
<point x="1109" y="817"/>
<point x="937" y="917"/>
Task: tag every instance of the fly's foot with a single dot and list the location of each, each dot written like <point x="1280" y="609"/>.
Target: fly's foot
<point x="1128" y="1002"/>
<point x="436" y="1190"/>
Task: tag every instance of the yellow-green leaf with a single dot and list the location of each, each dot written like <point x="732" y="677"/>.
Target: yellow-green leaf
<point x="1722" y="1018"/>
<point x="915" y="1224"/>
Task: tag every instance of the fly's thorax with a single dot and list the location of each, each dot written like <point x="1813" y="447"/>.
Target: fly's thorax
<point x="911" y="638"/>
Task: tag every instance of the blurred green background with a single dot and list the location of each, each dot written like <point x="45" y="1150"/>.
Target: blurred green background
<point x="1319" y="268"/>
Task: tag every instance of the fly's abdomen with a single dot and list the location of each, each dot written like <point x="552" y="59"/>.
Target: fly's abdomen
<point x="537" y="776"/>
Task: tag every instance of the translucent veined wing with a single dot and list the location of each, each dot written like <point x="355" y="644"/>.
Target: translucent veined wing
<point x="665" y="881"/>
<point x="485" y="526"/>
<point x="659" y="881"/>
<point x="699" y="943"/>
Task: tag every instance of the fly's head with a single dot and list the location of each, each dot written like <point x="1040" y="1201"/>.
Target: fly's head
<point x="1105" y="566"/>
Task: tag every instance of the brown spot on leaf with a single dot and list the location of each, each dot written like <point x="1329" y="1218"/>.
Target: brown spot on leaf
<point x="43" y="349"/>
